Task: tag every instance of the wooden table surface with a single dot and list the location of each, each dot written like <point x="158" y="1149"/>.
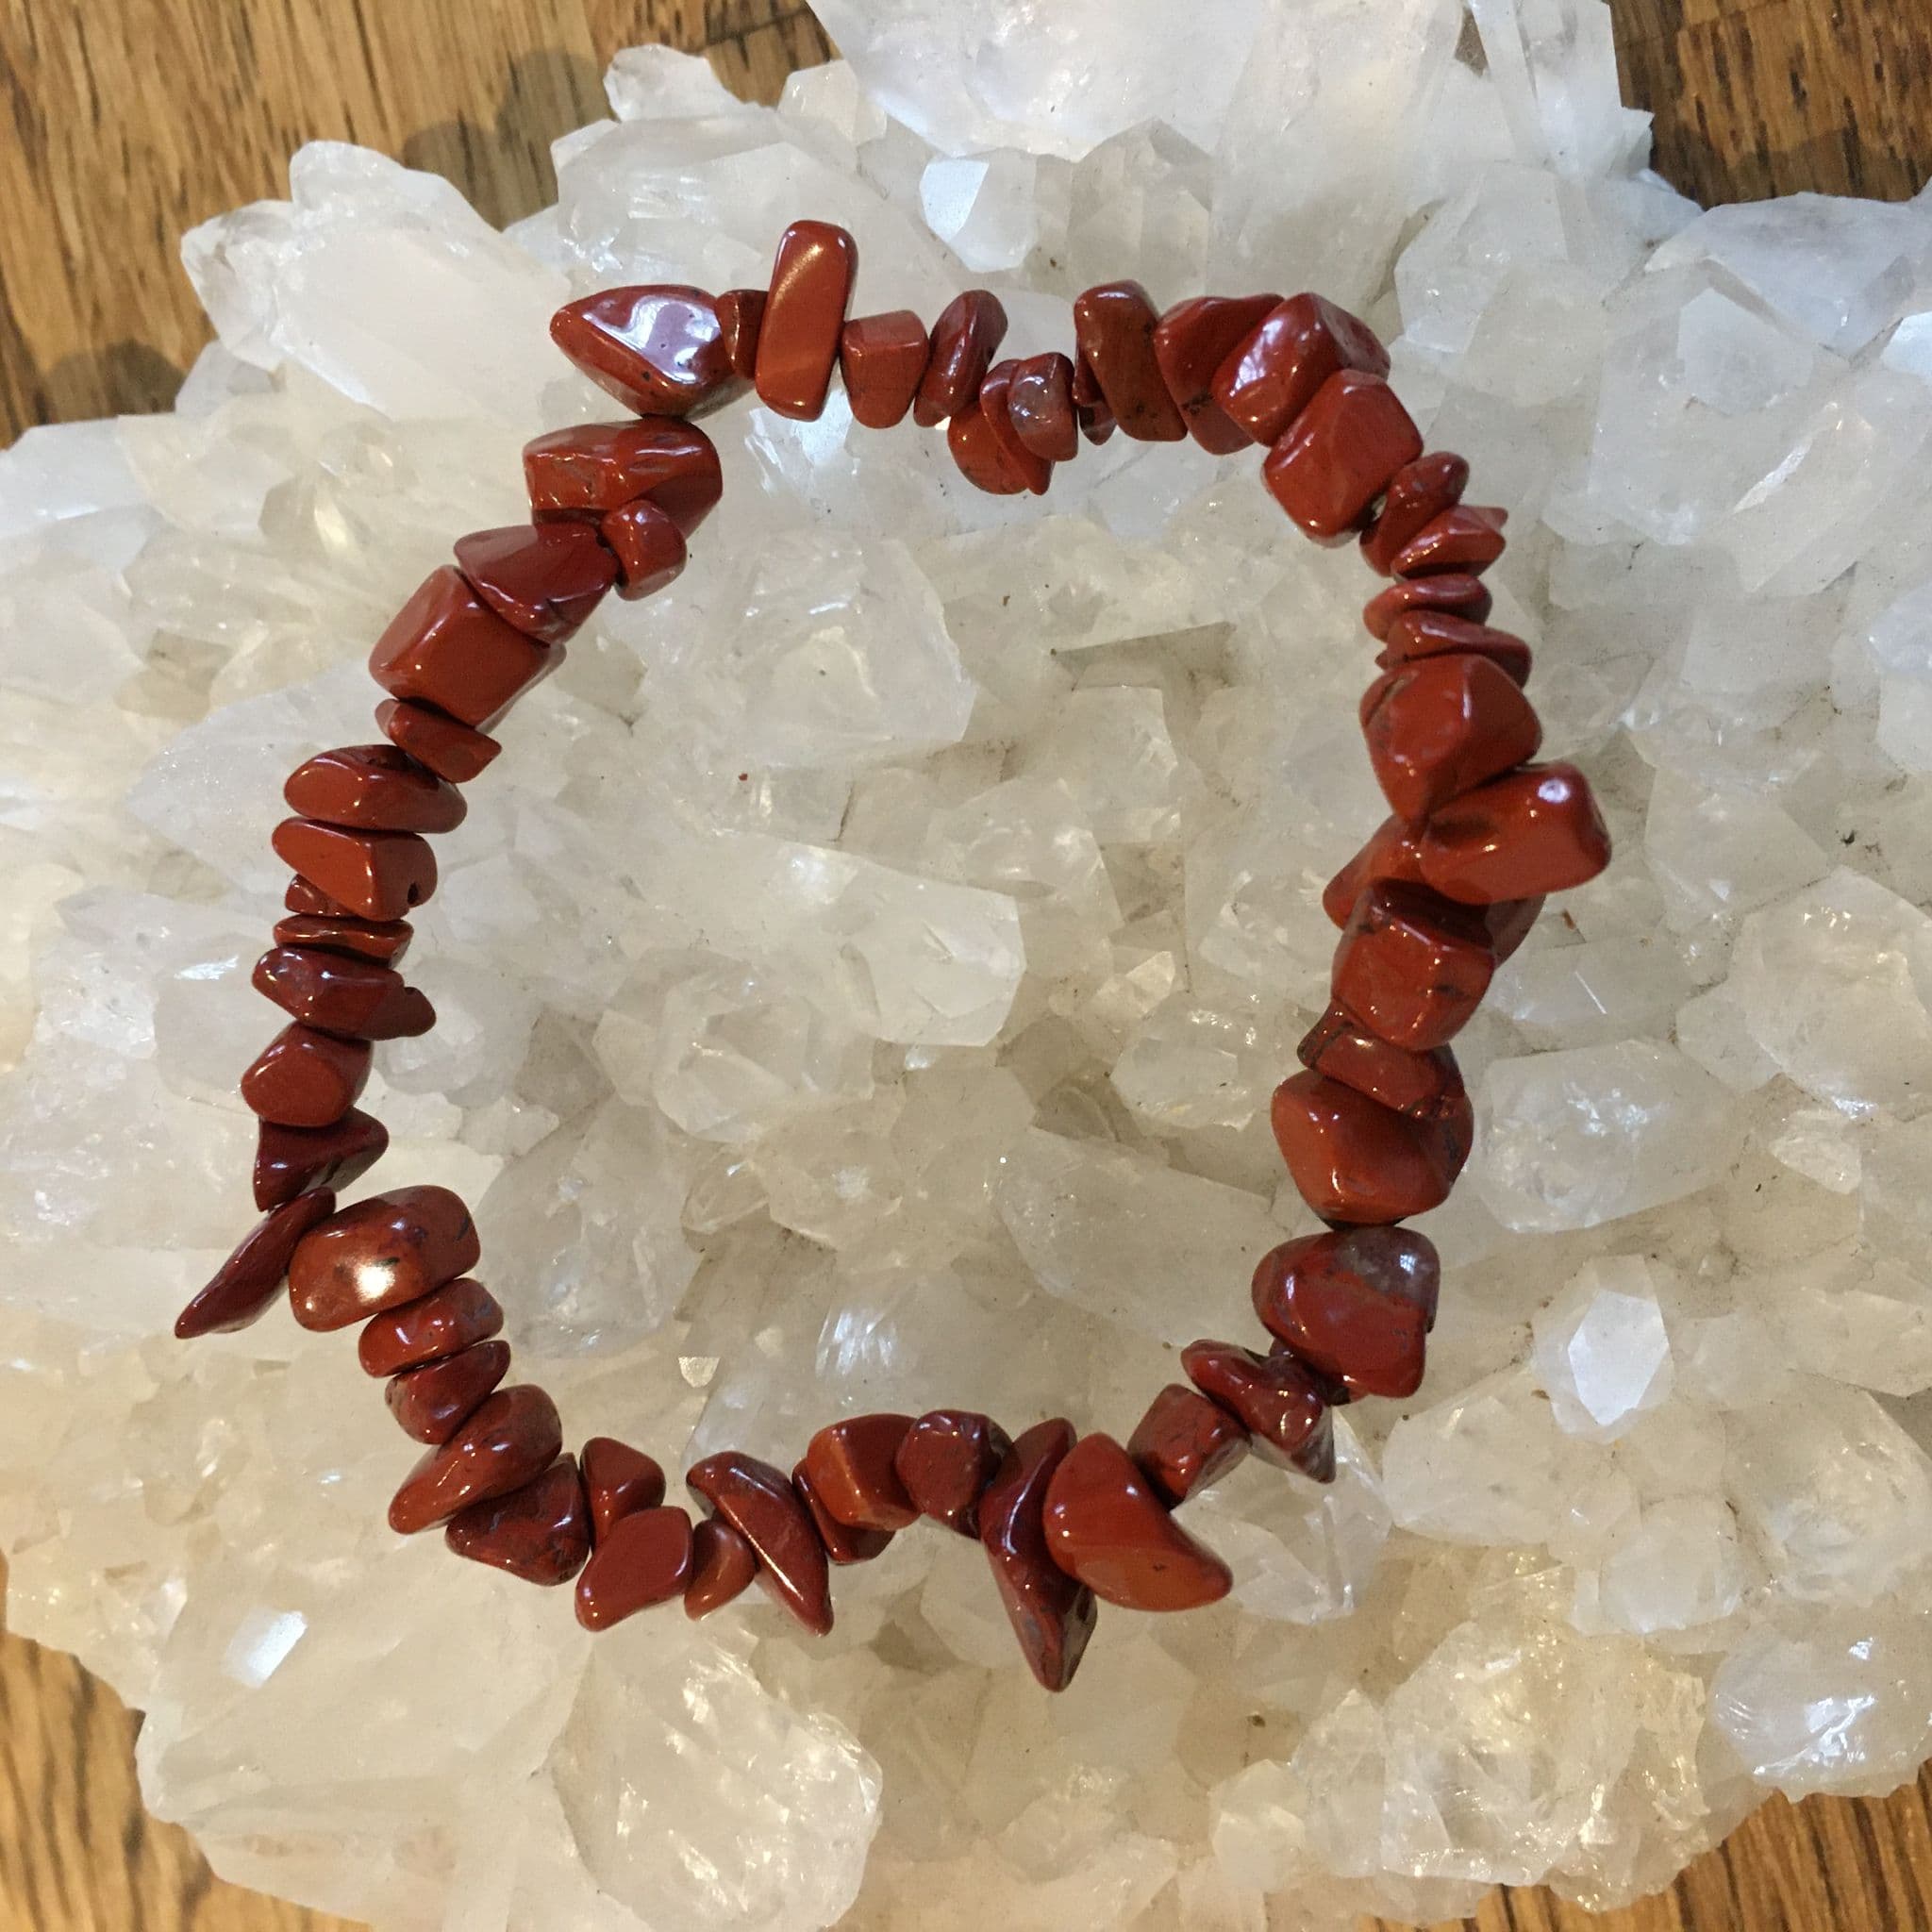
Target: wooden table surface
<point x="133" y="119"/>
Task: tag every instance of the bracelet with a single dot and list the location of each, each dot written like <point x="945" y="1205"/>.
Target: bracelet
<point x="1374" y="1128"/>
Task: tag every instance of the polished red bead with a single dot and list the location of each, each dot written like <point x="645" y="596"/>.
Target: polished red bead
<point x="1421" y="634"/>
<point x="1463" y="539"/>
<point x="373" y="787"/>
<point x="538" y="1532"/>
<point x="1039" y="405"/>
<point x="723" y="1565"/>
<point x="995" y="394"/>
<point x="882" y="361"/>
<point x="1532" y="832"/>
<point x="1113" y="327"/>
<point x="1273" y="375"/>
<point x="761" y="1504"/>
<point x="594" y="468"/>
<point x="1442" y="726"/>
<point x="964" y="340"/>
<point x="542" y="579"/>
<point x="1052" y="1613"/>
<point x="979" y="454"/>
<point x="649" y="548"/>
<point x="384" y="940"/>
<point x="1106" y="1528"/>
<point x="1413" y="966"/>
<point x="843" y="1544"/>
<point x="742" y="316"/>
<point x="1393" y="851"/>
<point x="514" y="1436"/>
<point x="1340" y="1046"/>
<point x="1185" y="1441"/>
<point x="1356" y="1304"/>
<point x="293" y="1160"/>
<point x="619" y="1480"/>
<point x="1418" y="493"/>
<point x="1190" y="344"/>
<point x="306" y="897"/>
<point x="446" y="1319"/>
<point x="381" y="1253"/>
<point x="1354" y="1160"/>
<point x="1336" y="457"/>
<point x="947" y="1460"/>
<point x="451" y="750"/>
<point x="343" y="994"/>
<point x="1281" y="1405"/>
<point x="661" y="348"/>
<point x="447" y="647"/>
<point x="852" y="1466"/>
<point x="376" y="875"/>
<point x="304" y="1079"/>
<point x="805" y="310"/>
<point x="432" y="1403"/>
<point x="244" y="1285"/>
<point x="646" y="1559"/>
<point x="1455" y="593"/>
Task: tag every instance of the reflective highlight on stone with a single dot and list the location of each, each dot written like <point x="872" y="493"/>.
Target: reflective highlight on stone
<point x="1356" y="1303"/>
<point x="1355" y="1160"/>
<point x="447" y="647"/>
<point x="448" y="1319"/>
<point x="1276" y="371"/>
<point x="852" y="1466"/>
<point x="761" y="1504"/>
<point x="1534" y="831"/>
<point x="536" y="1532"/>
<point x="542" y="579"/>
<point x="1442" y="725"/>
<point x="659" y="348"/>
<point x="646" y="1559"/>
<point x="290" y="1160"/>
<point x="244" y="1285"/>
<point x="1053" y="1614"/>
<point x="431" y="1403"/>
<point x="805" y="310"/>
<point x="1105" y="1527"/>
<point x="1113" y="327"/>
<point x="373" y="787"/>
<point x="1282" y="1406"/>
<point x="947" y="1458"/>
<point x="381" y="1253"/>
<point x="1337" y="457"/>
<point x="514" y="1436"/>
<point x="1185" y="1441"/>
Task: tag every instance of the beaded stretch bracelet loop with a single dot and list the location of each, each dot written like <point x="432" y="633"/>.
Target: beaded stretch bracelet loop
<point x="1373" y="1129"/>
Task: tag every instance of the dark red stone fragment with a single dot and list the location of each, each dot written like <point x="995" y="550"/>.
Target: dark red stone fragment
<point x="244" y="1285"/>
<point x="594" y="468"/>
<point x="882" y="360"/>
<point x="758" y="1502"/>
<point x="446" y="1319"/>
<point x="542" y="579"/>
<point x="1418" y="492"/>
<point x="1419" y="635"/>
<point x="303" y="1079"/>
<point x="647" y="1559"/>
<point x="805" y="310"/>
<point x="451" y="750"/>
<point x="852" y="1468"/>
<point x="661" y="348"/>
<point x="1185" y="1441"/>
<point x="538" y="1532"/>
<point x="1192" y="342"/>
<point x="1463" y="539"/>
<point x="293" y="1160"/>
<point x="447" y="647"/>
<point x="843" y="1544"/>
<point x="1052" y="1613"/>
<point x="1413" y="966"/>
<point x="1039" y="405"/>
<point x="384" y="940"/>
<point x="341" y="994"/>
<point x="741" y="315"/>
<point x="995" y="394"/>
<point x="514" y="1436"/>
<point x="376" y="875"/>
<point x="723" y="1565"/>
<point x="1340" y="1046"/>
<point x="431" y="1403"/>
<point x="1334" y="459"/>
<point x="382" y="1252"/>
<point x="1393" y="851"/>
<point x="1519" y="837"/>
<point x="1281" y="1404"/>
<point x="1442" y="726"/>
<point x="619" y="1480"/>
<point x="970" y="330"/>
<point x="1275" y="374"/>
<point x="306" y="896"/>
<point x="1356" y="1160"/>
<point x="947" y="1460"/>
<point x="977" y="452"/>
<point x="648" y="546"/>
<point x="1357" y="1305"/>
<point x="1455" y="593"/>
<point x="1113" y="328"/>
<point x="373" y="787"/>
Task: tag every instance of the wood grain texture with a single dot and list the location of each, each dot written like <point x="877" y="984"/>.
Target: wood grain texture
<point x="131" y="120"/>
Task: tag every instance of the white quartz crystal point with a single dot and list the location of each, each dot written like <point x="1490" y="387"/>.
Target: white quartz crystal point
<point x="1682" y="1563"/>
<point x="1715" y="852"/>
<point x="983" y="207"/>
<point x="1601" y="1350"/>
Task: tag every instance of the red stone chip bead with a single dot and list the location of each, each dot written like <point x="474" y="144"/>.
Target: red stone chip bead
<point x="538" y="1532"/>
<point x="1519" y="837"/>
<point x="291" y="1161"/>
<point x="661" y="348"/>
<point x="649" y="548"/>
<point x="431" y="1403"/>
<point x="1393" y="851"/>
<point x="1284" y="1408"/>
<point x="303" y="1079"/>
<point x="447" y="647"/>
<point x="979" y="453"/>
<point x="1354" y="1160"/>
<point x="1463" y="539"/>
<point x="1266" y="382"/>
<point x="1334" y="459"/>
<point x="945" y="1461"/>
<point x="1442" y="725"/>
<point x="542" y="579"/>
<point x="1340" y="1046"/>
<point x="1418" y="492"/>
<point x="514" y="1436"/>
<point x="381" y="1253"/>
<point x="761" y="1504"/>
<point x="1105" y="1527"/>
<point x="882" y="361"/>
<point x="1039" y="405"/>
<point x="995" y="395"/>
<point x="619" y="1480"/>
<point x="742" y="316"/>
<point x="373" y="787"/>
<point x="1455" y="593"/>
<point x="594" y="468"/>
<point x="1113" y="328"/>
<point x="444" y="1321"/>
<point x="852" y="1465"/>
<point x="1052" y="1612"/>
<point x="384" y="940"/>
<point x="1413" y="966"/>
<point x="723" y="1565"/>
<point x="341" y="994"/>
<point x="451" y="750"/>
<point x="1090" y="406"/>
<point x="376" y="875"/>
<point x="305" y="896"/>
<point x="964" y="340"/>
<point x="1185" y="1441"/>
<point x="244" y="1285"/>
<point x="1418" y="634"/>
<point x="1357" y="1305"/>
<point x="805" y="313"/>
<point x="1190" y="344"/>
<point x="843" y="1544"/>
<point x="647" y="1559"/>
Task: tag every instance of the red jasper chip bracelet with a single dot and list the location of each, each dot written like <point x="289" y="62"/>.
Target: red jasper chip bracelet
<point x="1374" y="1128"/>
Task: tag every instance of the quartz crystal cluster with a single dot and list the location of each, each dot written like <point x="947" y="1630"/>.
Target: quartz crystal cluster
<point x="862" y="979"/>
